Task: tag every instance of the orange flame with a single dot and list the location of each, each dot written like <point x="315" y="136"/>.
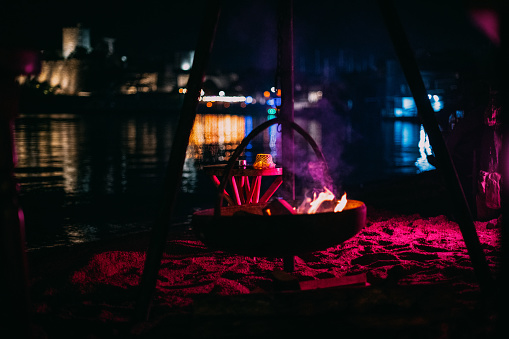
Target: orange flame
<point x="317" y="201"/>
<point x="326" y="195"/>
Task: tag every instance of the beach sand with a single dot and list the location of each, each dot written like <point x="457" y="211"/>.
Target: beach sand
<point x="412" y="272"/>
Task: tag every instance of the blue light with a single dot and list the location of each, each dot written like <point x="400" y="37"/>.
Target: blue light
<point x="408" y="108"/>
<point x="249" y="99"/>
<point x="405" y="131"/>
<point x="437" y="105"/>
<point x="248" y="124"/>
<point x="408" y="103"/>
<point x="273" y="134"/>
<point x="424" y="150"/>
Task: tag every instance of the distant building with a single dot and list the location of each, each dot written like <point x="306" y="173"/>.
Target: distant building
<point x="70" y="75"/>
<point x="64" y="74"/>
<point x="73" y="37"/>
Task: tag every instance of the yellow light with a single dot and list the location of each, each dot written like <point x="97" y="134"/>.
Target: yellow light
<point x="223" y="98"/>
<point x="224" y="130"/>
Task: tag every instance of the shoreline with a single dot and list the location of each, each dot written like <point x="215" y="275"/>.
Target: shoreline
<point x="141" y="103"/>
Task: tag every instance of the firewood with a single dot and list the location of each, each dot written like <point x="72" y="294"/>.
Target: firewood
<point x="278" y="207"/>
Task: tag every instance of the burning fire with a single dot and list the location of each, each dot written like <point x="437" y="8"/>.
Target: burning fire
<point x="341" y="204"/>
<point x="317" y="201"/>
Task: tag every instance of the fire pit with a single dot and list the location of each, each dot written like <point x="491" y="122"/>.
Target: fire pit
<point x="276" y="229"/>
<point x="244" y="230"/>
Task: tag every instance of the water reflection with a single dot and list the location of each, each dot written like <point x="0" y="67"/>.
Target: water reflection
<point x="405" y="138"/>
<point x="215" y="136"/>
<point x="274" y="137"/>
<point x="47" y="152"/>
<point x="88" y="177"/>
<point x="424" y="150"/>
<point x="407" y="153"/>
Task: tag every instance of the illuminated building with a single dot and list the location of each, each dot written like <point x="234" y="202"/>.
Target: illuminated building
<point x="73" y="37"/>
<point x="65" y="75"/>
<point x="62" y="73"/>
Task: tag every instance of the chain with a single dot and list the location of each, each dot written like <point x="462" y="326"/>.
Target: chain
<point x="277" y="80"/>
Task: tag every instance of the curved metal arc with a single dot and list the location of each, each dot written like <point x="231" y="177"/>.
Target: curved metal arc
<point x="229" y="167"/>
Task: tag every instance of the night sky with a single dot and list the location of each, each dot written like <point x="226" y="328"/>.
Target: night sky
<point x="247" y="31"/>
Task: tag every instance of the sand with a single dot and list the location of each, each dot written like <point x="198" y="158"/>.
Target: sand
<point x="414" y="279"/>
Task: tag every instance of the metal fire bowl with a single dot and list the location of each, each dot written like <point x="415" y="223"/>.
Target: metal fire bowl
<point x="240" y="230"/>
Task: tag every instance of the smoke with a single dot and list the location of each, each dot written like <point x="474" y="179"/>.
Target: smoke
<point x="336" y="134"/>
<point x="332" y="132"/>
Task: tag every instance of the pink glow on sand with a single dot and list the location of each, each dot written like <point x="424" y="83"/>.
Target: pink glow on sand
<point x="403" y="249"/>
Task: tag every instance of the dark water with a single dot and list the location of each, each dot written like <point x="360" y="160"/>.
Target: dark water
<point x="90" y="177"/>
